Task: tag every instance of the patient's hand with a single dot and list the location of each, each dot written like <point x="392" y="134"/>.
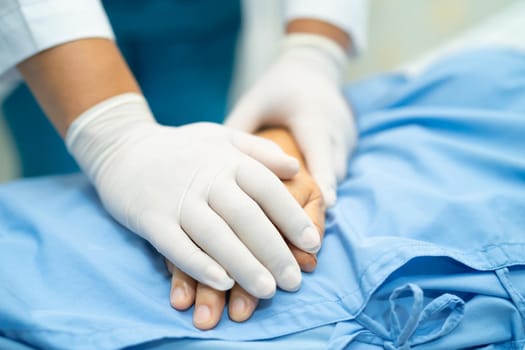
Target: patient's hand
<point x="209" y="303"/>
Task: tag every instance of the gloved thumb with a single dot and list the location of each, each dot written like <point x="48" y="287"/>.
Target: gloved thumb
<point x="318" y="152"/>
<point x="246" y="115"/>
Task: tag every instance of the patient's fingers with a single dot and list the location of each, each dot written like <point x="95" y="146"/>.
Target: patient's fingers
<point x="241" y="305"/>
<point x="307" y="261"/>
<point x="182" y="293"/>
<point x="308" y="195"/>
<point x="209" y="304"/>
<point x="300" y="187"/>
<point x="315" y="208"/>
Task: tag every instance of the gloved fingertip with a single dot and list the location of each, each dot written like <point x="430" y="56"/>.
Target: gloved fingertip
<point x="293" y="165"/>
<point x="329" y="196"/>
<point x="310" y="240"/>
<point x="287" y="168"/>
<point x="264" y="287"/>
<point x="217" y="278"/>
<point x="290" y="278"/>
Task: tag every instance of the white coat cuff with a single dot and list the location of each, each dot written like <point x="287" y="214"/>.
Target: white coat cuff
<point x="349" y="15"/>
<point x="28" y="27"/>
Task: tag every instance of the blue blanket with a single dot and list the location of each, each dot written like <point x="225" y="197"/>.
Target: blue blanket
<point x="425" y="245"/>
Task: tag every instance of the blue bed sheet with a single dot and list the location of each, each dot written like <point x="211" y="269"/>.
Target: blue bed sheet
<point x="424" y="248"/>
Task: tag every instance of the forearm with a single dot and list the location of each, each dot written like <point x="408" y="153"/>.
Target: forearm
<point x="349" y="17"/>
<point x="70" y="78"/>
<point x="318" y="27"/>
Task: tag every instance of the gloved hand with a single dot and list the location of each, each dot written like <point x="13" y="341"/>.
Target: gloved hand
<point x="210" y="303"/>
<point x="206" y="196"/>
<point x="301" y="91"/>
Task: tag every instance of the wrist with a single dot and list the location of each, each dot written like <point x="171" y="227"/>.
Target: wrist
<point x="104" y="128"/>
<point x="70" y="78"/>
<point x="323" y="52"/>
<point x="321" y="28"/>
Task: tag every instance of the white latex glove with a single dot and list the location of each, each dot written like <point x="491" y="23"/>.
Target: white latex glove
<point x="302" y="92"/>
<point x="206" y="196"/>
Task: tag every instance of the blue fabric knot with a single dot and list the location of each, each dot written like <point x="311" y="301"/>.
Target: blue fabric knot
<point x="421" y="324"/>
<point x="388" y="345"/>
<point x="409" y="320"/>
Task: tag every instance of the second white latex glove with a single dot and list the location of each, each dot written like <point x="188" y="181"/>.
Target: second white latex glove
<point x="206" y="196"/>
<point x="301" y="91"/>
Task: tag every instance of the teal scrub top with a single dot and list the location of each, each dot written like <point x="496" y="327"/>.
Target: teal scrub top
<point x="182" y="54"/>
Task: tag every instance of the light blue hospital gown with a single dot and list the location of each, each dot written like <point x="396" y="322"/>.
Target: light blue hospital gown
<point x="425" y="248"/>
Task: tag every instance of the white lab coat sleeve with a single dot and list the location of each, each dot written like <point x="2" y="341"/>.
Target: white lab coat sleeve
<point x="30" y="26"/>
<point x="349" y="15"/>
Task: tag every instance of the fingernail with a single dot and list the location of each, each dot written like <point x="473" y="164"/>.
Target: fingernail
<point x="290" y="278"/>
<point x="310" y="266"/>
<point x="239" y="307"/>
<point x="310" y="239"/>
<point x="179" y="294"/>
<point x="202" y="314"/>
<point x="264" y="287"/>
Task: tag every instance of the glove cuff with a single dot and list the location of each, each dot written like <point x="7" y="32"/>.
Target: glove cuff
<point x="333" y="53"/>
<point x="97" y="132"/>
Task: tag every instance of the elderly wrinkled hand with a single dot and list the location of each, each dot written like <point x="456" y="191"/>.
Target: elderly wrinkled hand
<point x="209" y="303"/>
